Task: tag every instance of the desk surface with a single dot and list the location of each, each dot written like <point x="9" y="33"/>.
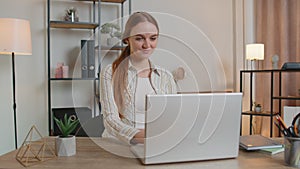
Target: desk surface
<point x="91" y="154"/>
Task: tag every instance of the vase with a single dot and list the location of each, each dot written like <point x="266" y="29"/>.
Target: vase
<point x="112" y="41"/>
<point x="65" y="146"/>
<point x="73" y="17"/>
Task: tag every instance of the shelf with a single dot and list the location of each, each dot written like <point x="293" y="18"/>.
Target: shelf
<point x="70" y="79"/>
<point x="264" y="113"/>
<point x="111" y="1"/>
<point x="114" y="1"/>
<point x="287" y="97"/>
<point x="270" y="70"/>
<point x="70" y="25"/>
<point x="273" y="83"/>
<point x="93" y="10"/>
<point x="111" y="47"/>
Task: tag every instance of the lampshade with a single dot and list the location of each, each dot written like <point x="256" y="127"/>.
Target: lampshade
<point x="15" y="36"/>
<point x="255" y="51"/>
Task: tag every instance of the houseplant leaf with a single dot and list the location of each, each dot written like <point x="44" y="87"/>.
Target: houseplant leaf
<point x="67" y="125"/>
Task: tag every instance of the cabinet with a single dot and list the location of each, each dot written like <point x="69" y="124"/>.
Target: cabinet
<point x="73" y="91"/>
<point x="273" y="97"/>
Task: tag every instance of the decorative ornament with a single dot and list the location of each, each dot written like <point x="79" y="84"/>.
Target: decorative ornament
<point x="34" y="149"/>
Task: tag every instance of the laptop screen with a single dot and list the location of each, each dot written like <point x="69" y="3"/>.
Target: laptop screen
<point x="194" y="124"/>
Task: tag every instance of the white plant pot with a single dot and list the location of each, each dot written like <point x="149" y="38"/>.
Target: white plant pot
<point x="112" y="41"/>
<point x="65" y="146"/>
<point x="257" y="109"/>
<point x="104" y="37"/>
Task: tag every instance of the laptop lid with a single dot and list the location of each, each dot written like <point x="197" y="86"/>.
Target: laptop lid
<point x="257" y="142"/>
<point x="189" y="127"/>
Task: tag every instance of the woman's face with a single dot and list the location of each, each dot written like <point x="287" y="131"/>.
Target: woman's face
<point x="143" y="40"/>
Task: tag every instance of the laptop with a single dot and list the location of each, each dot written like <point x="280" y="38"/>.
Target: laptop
<point x="257" y="142"/>
<point x="190" y="127"/>
<point x="291" y="66"/>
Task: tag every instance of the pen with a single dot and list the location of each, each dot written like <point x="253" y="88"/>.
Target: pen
<point x="285" y="133"/>
<point x="280" y="120"/>
<point x="291" y="131"/>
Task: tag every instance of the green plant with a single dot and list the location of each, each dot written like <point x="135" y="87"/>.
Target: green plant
<point x="112" y="29"/>
<point x="256" y="104"/>
<point x="67" y="125"/>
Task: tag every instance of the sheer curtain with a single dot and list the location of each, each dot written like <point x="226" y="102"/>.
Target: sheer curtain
<point x="278" y="27"/>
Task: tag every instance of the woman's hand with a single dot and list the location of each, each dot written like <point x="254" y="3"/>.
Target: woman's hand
<point x="139" y="137"/>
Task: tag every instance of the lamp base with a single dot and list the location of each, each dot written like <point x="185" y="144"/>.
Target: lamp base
<point x="255" y="64"/>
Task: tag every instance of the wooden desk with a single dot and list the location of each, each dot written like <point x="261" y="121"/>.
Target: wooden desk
<point x="90" y="155"/>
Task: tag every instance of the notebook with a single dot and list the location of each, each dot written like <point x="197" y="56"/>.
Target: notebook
<point x="257" y="142"/>
<point x="272" y="151"/>
<point x="190" y="127"/>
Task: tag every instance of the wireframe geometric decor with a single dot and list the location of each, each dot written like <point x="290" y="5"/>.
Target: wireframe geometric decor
<point x="34" y="149"/>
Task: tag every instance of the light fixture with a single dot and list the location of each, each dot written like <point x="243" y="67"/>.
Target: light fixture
<point x="254" y="52"/>
<point x="15" y="39"/>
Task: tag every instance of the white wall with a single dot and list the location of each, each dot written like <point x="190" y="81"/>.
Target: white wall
<point x="200" y="36"/>
<point x="203" y="36"/>
<point x="249" y="37"/>
<point x="31" y="79"/>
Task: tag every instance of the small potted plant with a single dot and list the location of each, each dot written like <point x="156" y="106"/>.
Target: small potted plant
<point x="65" y="144"/>
<point x="257" y="107"/>
<point x="114" y="33"/>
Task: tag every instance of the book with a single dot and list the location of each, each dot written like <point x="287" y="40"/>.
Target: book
<point x="87" y="58"/>
<point x="272" y="151"/>
<point x="91" y="58"/>
<point x="84" y="59"/>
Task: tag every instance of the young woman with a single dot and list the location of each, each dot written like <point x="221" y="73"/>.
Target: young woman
<point x="132" y="75"/>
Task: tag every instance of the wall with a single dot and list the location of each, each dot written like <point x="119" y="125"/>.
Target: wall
<point x="199" y="36"/>
<point x="31" y="79"/>
<point x="203" y="36"/>
<point x="249" y="37"/>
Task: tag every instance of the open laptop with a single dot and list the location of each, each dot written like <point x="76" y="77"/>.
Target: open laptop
<point x="190" y="127"/>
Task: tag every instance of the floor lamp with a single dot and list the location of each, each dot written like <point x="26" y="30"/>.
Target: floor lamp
<point x="15" y="39"/>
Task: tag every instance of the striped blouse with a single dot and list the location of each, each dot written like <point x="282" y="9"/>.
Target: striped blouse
<point x="123" y="128"/>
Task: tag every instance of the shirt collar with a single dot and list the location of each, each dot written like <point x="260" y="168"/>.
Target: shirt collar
<point x="153" y="67"/>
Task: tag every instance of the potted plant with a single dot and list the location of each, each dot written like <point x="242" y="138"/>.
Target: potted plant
<point x="65" y="144"/>
<point x="113" y="30"/>
<point x="257" y="107"/>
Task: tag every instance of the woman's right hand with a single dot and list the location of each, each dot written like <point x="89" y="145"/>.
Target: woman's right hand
<point x="139" y="138"/>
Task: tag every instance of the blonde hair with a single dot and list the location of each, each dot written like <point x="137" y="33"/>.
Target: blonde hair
<point x="120" y="65"/>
